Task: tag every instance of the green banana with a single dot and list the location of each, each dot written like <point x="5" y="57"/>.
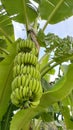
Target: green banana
<point x="34" y="51"/>
<point x="28" y="69"/>
<point x="17" y="95"/>
<point x="34" y="104"/>
<point x="14" y="83"/>
<point x="24" y="70"/>
<point x="23" y="80"/>
<point x="21" y="92"/>
<point x="32" y="70"/>
<point x="37" y="87"/>
<point x="19" y="81"/>
<point x="14" y="71"/>
<point x="19" y="61"/>
<point x="14" y="100"/>
<point x="25" y="92"/>
<point x="26" y="84"/>
<point x="26" y="58"/>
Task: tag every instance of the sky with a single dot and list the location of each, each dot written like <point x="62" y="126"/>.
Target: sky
<point x="62" y="29"/>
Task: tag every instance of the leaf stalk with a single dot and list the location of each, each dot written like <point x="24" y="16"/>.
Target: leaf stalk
<point x="46" y="69"/>
<point x="25" y="15"/>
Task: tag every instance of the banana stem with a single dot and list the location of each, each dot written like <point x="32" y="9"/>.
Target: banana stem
<point x="34" y="39"/>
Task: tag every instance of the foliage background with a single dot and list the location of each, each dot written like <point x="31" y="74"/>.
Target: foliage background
<point x="58" y="95"/>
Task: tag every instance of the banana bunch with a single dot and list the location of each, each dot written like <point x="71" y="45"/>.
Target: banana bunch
<point x="26" y="84"/>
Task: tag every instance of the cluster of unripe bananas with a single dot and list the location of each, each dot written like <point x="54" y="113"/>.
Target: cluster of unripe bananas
<point x="26" y="84"/>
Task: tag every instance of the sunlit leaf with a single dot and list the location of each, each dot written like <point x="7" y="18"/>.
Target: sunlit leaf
<point x="22" y="120"/>
<point x="6" y="27"/>
<point x="16" y="8"/>
<point x="45" y="85"/>
<point x="6" y="79"/>
<point x="41" y="38"/>
<point x="44" y="60"/>
<point x="66" y="113"/>
<point x="61" y="89"/>
<point x="64" y="11"/>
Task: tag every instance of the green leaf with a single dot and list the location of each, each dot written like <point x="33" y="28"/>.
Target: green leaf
<point x="47" y="116"/>
<point x="66" y="113"/>
<point x="71" y="98"/>
<point x="64" y="68"/>
<point x="63" y="58"/>
<point x="60" y="90"/>
<point x="3" y="43"/>
<point x="6" y="79"/>
<point x="6" y="27"/>
<point x="3" y="47"/>
<point x="5" y="123"/>
<point x="44" y="60"/>
<point x="52" y="41"/>
<point x="66" y="101"/>
<point x="1" y="58"/>
<point x="41" y="38"/>
<point x="37" y="1"/>
<point x="21" y="119"/>
<point x="45" y="85"/>
<point x="16" y="7"/>
<point x="64" y="11"/>
<point x="62" y="48"/>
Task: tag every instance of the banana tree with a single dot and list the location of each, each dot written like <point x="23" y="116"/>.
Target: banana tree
<point x="26" y="92"/>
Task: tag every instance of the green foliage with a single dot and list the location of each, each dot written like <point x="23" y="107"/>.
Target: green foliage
<point x="57" y="95"/>
<point x="3" y="47"/>
<point x="62" y="48"/>
<point x="3" y="43"/>
<point x="47" y="116"/>
<point x="60" y="90"/>
<point x="17" y="8"/>
<point x="45" y="85"/>
<point x="5" y="123"/>
<point x="40" y="38"/>
<point x="22" y="119"/>
<point x="61" y="14"/>
<point x="67" y="117"/>
<point x="6" y="79"/>
<point x="6" y="27"/>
